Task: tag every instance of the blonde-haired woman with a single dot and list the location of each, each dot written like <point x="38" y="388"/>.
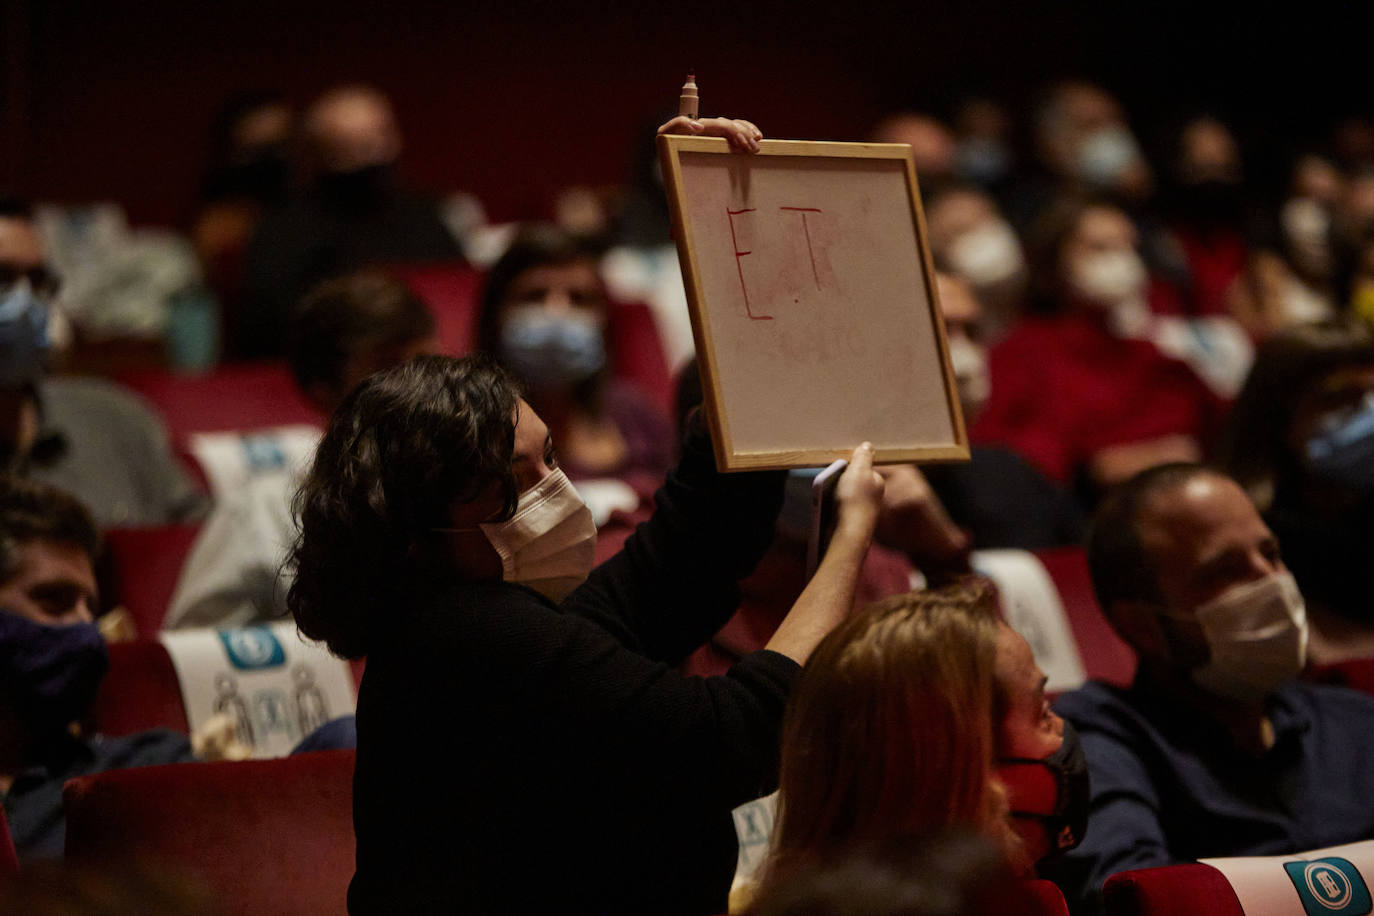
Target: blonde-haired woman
<point x="899" y="725"/>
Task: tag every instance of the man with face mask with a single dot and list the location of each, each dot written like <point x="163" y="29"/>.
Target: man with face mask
<point x="85" y="435"/>
<point x="351" y="214"/>
<point x="1214" y="750"/>
<point x="52" y="660"/>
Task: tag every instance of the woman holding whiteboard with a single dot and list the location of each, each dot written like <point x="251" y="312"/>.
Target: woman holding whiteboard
<point x="524" y="744"/>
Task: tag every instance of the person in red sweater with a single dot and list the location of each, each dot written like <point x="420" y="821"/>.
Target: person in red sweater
<point x="1075" y="387"/>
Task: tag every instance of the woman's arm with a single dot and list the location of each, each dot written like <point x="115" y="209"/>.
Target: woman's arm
<point x="829" y="596"/>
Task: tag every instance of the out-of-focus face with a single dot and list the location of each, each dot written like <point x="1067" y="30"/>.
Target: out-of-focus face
<point x="55" y="585"/>
<point x="955" y="213"/>
<point x="568" y="286"/>
<point x="263" y="126"/>
<point x="1358" y="206"/>
<point x="932" y="143"/>
<point x="21" y="250"/>
<point x="1202" y="538"/>
<point x="1100" y="230"/>
<point x="353" y="129"/>
<point x="1339" y="391"/>
<point x="1029" y="729"/>
<point x="1318" y="178"/>
<point x="1208" y="152"/>
<point x="1086" y="138"/>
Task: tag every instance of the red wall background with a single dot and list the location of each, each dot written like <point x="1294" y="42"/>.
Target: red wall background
<point x="515" y="99"/>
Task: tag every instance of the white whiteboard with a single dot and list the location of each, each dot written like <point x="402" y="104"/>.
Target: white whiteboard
<point x="813" y="302"/>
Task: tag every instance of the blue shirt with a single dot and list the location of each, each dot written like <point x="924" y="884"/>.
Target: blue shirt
<point x="1169" y="785"/>
<point x="33" y="805"/>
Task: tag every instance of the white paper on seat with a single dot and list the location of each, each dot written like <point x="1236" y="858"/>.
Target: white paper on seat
<point x="229" y="459"/>
<point x="1264" y="886"/>
<point x="275" y="685"/>
<point x="1032" y="607"/>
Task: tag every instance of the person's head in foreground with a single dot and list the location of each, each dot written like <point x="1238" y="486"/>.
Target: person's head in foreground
<point x="351" y="327"/>
<point x="1191" y="577"/>
<point x="900" y="724"/>
<point x="953" y="872"/>
<point x="431" y="473"/>
<point x="52" y="656"/>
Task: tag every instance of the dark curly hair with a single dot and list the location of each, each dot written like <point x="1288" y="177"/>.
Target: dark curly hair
<point x="402" y="448"/>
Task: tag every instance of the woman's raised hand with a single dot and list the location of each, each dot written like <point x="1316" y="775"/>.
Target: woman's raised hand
<point x="740" y="134"/>
<point x="859" y="495"/>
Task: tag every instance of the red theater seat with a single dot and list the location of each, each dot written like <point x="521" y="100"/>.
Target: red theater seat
<point x="268" y="836"/>
<point x="9" y="860"/>
<point x="1173" y="890"/>
<point x="230" y="397"/>
<point x="1045" y="899"/>
<point x="141" y="691"/>
<point x="145" y="564"/>
<point x="1357" y="674"/>
<point x="1105" y="657"/>
<point x="632" y="338"/>
<point x="452" y="292"/>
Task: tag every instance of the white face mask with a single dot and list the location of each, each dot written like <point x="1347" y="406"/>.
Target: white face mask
<point x="1109" y="277"/>
<point x="1106" y="154"/>
<point x="987" y="254"/>
<point x="550" y="542"/>
<point x="970" y="366"/>
<point x="1257" y="633"/>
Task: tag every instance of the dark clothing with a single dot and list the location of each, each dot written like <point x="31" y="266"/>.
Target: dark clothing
<point x="317" y="237"/>
<point x="576" y="771"/>
<point x="1169" y="785"/>
<point x="33" y="805"/>
<point x="1002" y="501"/>
<point x="107" y="447"/>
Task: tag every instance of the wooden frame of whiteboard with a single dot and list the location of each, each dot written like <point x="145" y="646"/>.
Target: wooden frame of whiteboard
<point x="670" y="148"/>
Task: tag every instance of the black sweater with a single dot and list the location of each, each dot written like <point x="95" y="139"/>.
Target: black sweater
<point x="515" y="756"/>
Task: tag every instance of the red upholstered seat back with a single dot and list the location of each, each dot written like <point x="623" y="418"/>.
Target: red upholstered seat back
<point x="1105" y="657"/>
<point x="145" y="564"/>
<point x="9" y="860"/>
<point x="1173" y="890"/>
<point x="1045" y="899"/>
<point x="230" y="397"/>
<point x="140" y="691"/>
<point x="637" y="353"/>
<point x="268" y="836"/>
<point x="1357" y="674"/>
<point x="453" y="293"/>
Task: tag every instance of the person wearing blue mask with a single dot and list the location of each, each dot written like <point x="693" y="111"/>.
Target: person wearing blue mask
<point x="52" y="660"/>
<point x="1301" y="441"/>
<point x="87" y="436"/>
<point x="544" y="314"/>
<point x="1214" y="750"/>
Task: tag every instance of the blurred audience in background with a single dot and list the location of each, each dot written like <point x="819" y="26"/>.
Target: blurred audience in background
<point x="1300" y="440"/>
<point x="85" y="435"/>
<point x="351" y="211"/>
<point x="544" y="316"/>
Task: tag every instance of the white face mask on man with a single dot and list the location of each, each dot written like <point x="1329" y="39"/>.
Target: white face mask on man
<point x="549" y="544"/>
<point x="1257" y="633"/>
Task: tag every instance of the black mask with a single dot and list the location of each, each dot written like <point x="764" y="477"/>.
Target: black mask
<point x="1053" y="792"/>
<point x="50" y="674"/>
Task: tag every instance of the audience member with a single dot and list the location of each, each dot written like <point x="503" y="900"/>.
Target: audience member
<point x="1076" y="390"/>
<point x="52" y="660"/>
<point x="351" y="214"/>
<point x="344" y="331"/>
<point x="544" y="313"/>
<point x="1207" y="212"/>
<point x="898" y="727"/>
<point x="249" y="174"/>
<point x="999" y="498"/>
<point x="87" y="436"/>
<point x="969" y="237"/>
<point x="1213" y="750"/>
<point x="955" y="872"/>
<point x="1300" y="440"/>
<point x="438" y="539"/>
<point x="931" y="141"/>
<point x="983" y="152"/>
